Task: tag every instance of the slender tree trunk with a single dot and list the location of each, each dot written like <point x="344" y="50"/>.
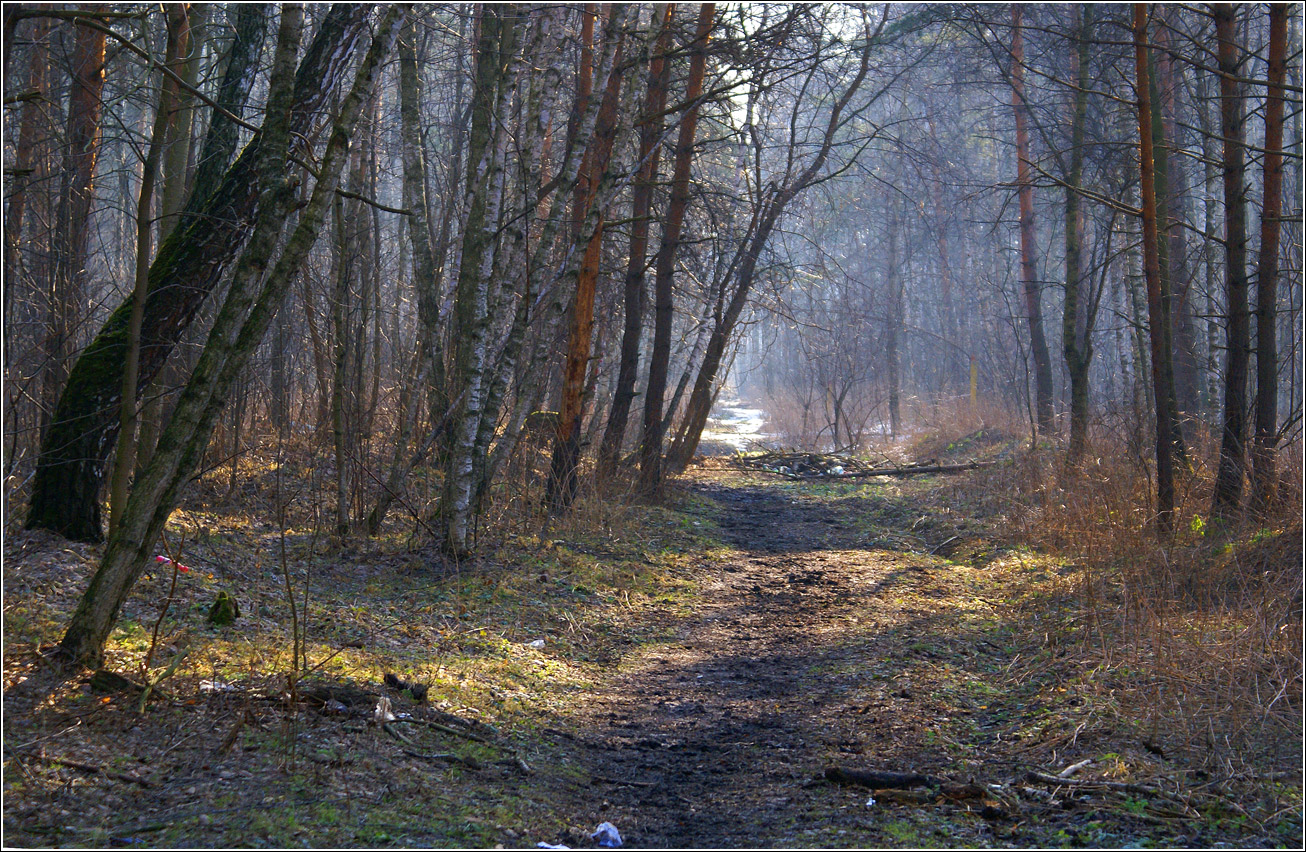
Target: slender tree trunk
<point x="342" y="265"/>
<point x="1077" y="346"/>
<point x="1267" y="271"/>
<point x="175" y="167"/>
<point x="562" y="482"/>
<point x="29" y="161"/>
<point x="893" y="323"/>
<point x="124" y="461"/>
<point x="948" y="309"/>
<point x="1158" y="318"/>
<point x="175" y="176"/>
<point x="426" y="276"/>
<point x="641" y="204"/>
<point x="1170" y="263"/>
<point x="650" y="471"/>
<point x="495" y="59"/>
<point x="1174" y="243"/>
<point x="73" y="217"/>
<point x="1211" y="242"/>
<point x="705" y="325"/>
<point x="1028" y="263"/>
<point x="1229" y="475"/>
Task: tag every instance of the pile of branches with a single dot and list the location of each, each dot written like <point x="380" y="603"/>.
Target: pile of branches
<point x="807" y="465"/>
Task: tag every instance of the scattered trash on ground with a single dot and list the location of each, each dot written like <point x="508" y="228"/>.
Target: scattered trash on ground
<point x="606" y="835"/>
<point x="538" y="643"/>
<point x="166" y="561"/>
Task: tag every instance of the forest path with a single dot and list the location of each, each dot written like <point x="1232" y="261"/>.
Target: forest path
<point x="720" y="729"/>
<point x="864" y="627"/>
<point x="797" y="655"/>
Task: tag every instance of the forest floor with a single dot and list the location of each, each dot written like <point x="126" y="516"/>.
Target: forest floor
<point x="690" y="673"/>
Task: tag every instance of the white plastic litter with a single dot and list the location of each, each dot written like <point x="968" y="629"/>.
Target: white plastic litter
<point x="870" y="803"/>
<point x="837" y="470"/>
<point x="543" y="845"/>
<point x="382" y="712"/>
<point x="538" y="643"/>
<point x="606" y="835"/>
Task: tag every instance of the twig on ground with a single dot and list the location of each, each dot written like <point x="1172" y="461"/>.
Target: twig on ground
<point x="447" y="757"/>
<point x="389" y="728"/>
<point x="621" y="782"/>
<point x="1123" y="786"/>
<point x="1070" y="770"/>
<point x="445" y="729"/>
<point x="85" y="767"/>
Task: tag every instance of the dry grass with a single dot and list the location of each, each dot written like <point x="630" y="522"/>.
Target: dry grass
<point x="1198" y="639"/>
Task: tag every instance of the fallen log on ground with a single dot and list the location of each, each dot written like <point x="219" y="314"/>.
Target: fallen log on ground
<point x="909" y="470"/>
<point x="879" y="780"/>
<point x="906" y="471"/>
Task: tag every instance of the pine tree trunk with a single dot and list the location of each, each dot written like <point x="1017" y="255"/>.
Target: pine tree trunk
<point x="562" y="483"/>
<point x="650" y="468"/>
<point x="1267" y="271"/>
<point x="1028" y="264"/>
<point x="29" y="166"/>
<point x="1158" y="318"/>
<point x="635" y="295"/>
<point x="73" y="216"/>
<point x="1229" y="475"/>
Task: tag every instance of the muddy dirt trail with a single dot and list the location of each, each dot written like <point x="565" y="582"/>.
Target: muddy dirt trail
<point x="834" y="632"/>
<point x="719" y="737"/>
